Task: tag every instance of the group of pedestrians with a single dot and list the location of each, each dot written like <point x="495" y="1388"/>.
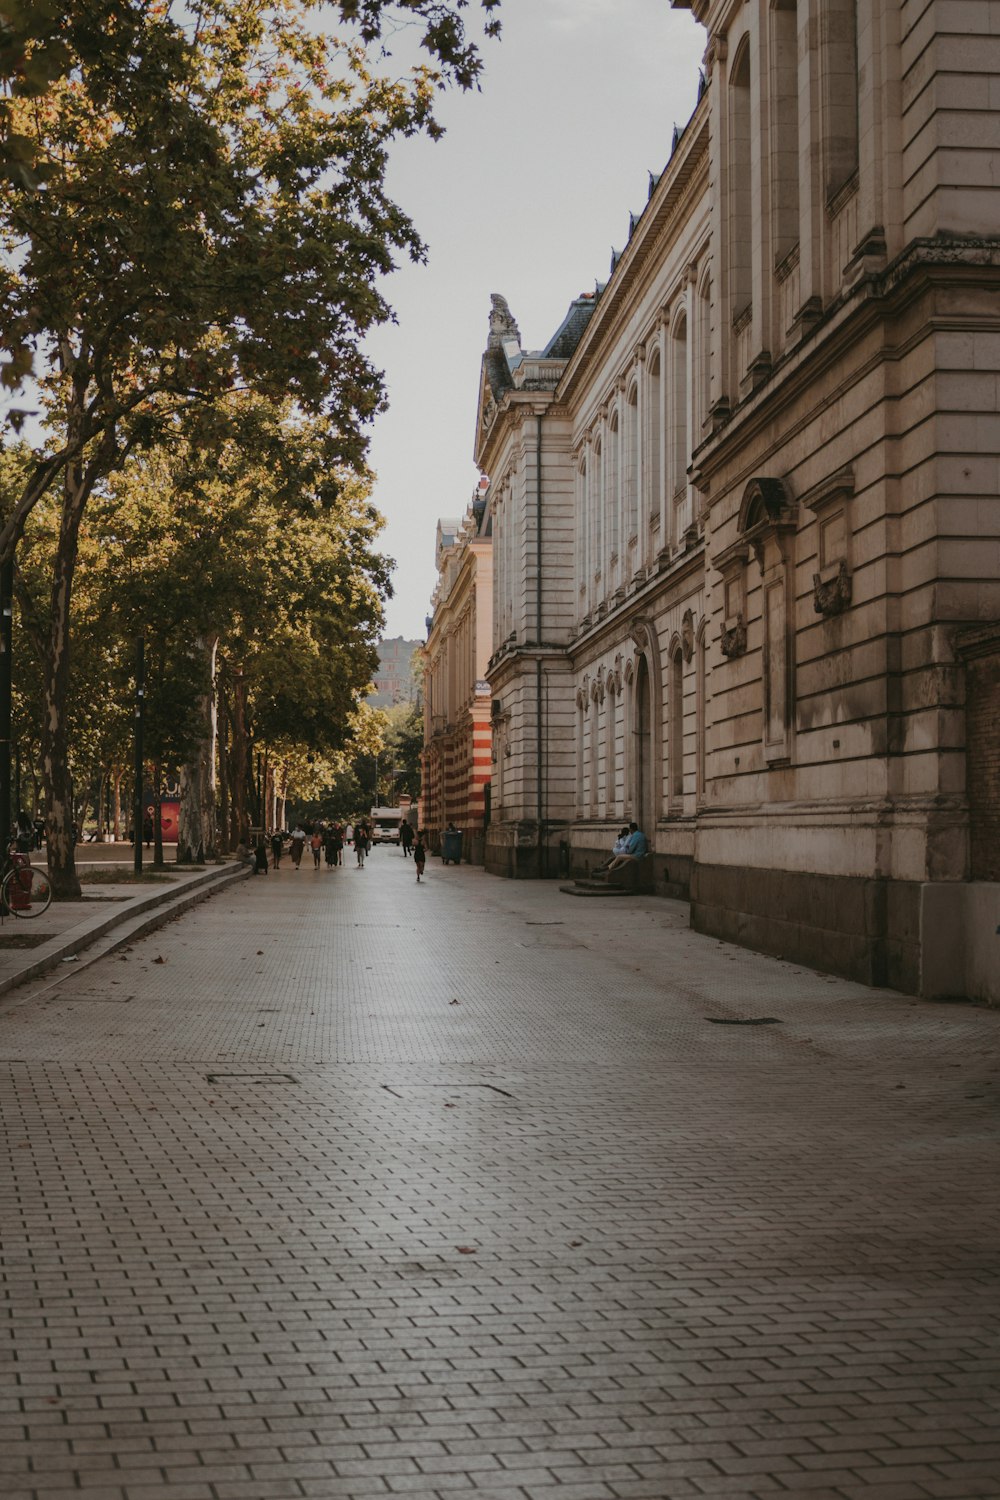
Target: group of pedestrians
<point x="325" y="841"/>
<point x="328" y="841"/>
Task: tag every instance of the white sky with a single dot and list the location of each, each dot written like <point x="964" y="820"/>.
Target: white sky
<point x="526" y="195"/>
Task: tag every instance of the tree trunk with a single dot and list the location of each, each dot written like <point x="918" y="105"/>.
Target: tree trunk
<point x="196" y="837"/>
<point x="225" y="842"/>
<point x="102" y="781"/>
<point x="117" y="774"/>
<point x="56" y="776"/>
<point x="240" y="760"/>
<point x="281" y="787"/>
<point x="79" y="478"/>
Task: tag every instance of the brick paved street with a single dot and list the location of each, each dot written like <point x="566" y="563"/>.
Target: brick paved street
<point x="338" y="1186"/>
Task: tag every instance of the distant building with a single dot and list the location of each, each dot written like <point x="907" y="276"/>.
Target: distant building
<point x="745" y="515"/>
<point x="456" y="766"/>
<point x="395" y="681"/>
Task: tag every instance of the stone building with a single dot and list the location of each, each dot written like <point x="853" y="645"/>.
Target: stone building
<point x="395" y="681"/>
<point x="745" y="513"/>
<point x="456" y="763"/>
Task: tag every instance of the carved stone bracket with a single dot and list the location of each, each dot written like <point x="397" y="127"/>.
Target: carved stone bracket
<point x="687" y="635"/>
<point x="832" y="597"/>
<point x="734" y="641"/>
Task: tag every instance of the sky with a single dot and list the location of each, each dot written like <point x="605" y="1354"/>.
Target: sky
<point x="526" y="195"/>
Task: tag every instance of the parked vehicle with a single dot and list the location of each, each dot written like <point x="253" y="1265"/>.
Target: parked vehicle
<point x="385" y="823"/>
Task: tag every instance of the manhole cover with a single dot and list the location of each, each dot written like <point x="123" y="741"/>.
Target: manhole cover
<point x="250" y="1078"/>
<point x="400" y="1090"/>
<point x="744" y="1020"/>
<point x="62" y="997"/>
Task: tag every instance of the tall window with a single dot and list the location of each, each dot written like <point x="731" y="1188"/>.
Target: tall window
<point x="581" y="721"/>
<point x="839" y="43"/>
<point x="701" y="707"/>
<point x="582" y="525"/>
<point x="739" y="215"/>
<point x="630" y="466"/>
<point x="654" y="414"/>
<point x="595" y="750"/>
<point x="594" y="505"/>
<point x="612" y="480"/>
<point x="784" y="154"/>
<point x="703" y="359"/>
<point x="676" y="747"/>
<point x="610" y="766"/>
<point x="680" y="446"/>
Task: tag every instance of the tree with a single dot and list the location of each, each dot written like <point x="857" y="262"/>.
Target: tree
<point x="214" y="218"/>
<point x="256" y="562"/>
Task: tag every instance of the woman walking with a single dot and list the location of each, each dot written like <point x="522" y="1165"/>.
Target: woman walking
<point x="419" y="856"/>
<point x="298" y="844"/>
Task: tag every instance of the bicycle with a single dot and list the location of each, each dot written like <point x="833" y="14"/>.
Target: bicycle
<point x="24" y="891"/>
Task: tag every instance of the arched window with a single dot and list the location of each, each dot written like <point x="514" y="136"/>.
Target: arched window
<point x="595" y="506"/>
<point x="630" y="466"/>
<point x="703" y="360"/>
<point x="680" y="445"/>
<point x="701" y="711"/>
<point x="653" y="417"/>
<point x="581" y="721"/>
<point x="739" y="193"/>
<point x="582" y="526"/>
<point x="595" y="751"/>
<point x="610" y="759"/>
<point x="676" y="728"/>
<point x="645" y="789"/>
<point x="613" y="488"/>
<point x="784" y="153"/>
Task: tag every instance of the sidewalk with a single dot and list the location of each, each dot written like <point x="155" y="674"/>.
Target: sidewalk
<point x="351" y="1188"/>
<point x="110" y="914"/>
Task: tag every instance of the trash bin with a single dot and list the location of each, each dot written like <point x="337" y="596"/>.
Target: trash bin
<point x="451" y="846"/>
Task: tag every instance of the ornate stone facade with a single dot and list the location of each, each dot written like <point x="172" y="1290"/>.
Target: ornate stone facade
<point x="456" y="760"/>
<point x="745" y="514"/>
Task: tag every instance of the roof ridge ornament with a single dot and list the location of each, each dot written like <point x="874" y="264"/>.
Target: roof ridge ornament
<point x="502" y="323"/>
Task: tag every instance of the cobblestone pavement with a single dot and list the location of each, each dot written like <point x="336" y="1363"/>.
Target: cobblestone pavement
<point x="342" y="1186"/>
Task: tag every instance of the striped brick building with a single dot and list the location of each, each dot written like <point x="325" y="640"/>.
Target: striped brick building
<point x="457" y="734"/>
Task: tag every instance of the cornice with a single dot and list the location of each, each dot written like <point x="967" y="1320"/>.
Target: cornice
<point x="682" y="174"/>
<point x="870" y="301"/>
<point x="645" y="601"/>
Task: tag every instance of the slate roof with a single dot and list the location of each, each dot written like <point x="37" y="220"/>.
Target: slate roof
<point x="570" y="331"/>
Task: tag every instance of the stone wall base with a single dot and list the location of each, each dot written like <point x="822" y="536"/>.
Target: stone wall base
<point x="960" y="941"/>
<point x="671" y="872"/>
<point x="867" y="930"/>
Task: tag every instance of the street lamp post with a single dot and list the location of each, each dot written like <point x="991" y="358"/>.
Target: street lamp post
<point x="6" y="646"/>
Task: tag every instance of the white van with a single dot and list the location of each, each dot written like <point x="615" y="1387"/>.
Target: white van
<point x="385" y="823"/>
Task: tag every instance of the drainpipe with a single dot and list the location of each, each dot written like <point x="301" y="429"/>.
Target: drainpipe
<point x="540" y="808"/>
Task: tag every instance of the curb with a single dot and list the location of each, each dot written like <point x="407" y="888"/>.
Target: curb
<point x="142" y="916"/>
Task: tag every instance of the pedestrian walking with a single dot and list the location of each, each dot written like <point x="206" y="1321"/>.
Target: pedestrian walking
<point x="316" y="845"/>
<point x="277" y="845"/>
<point x="329" y="850"/>
<point x="360" y="844"/>
<point x="260" y="855"/>
<point x="298" y="844"/>
<point x="338" y="844"/>
<point x="406" y="838"/>
<point x="419" y="856"/>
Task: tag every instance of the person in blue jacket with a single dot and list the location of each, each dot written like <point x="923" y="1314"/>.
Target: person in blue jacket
<point x="635" y="848"/>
